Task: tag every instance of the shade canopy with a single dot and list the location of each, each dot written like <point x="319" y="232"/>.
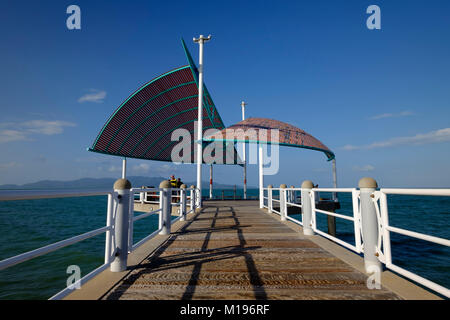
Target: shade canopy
<point x="142" y="126"/>
<point x="261" y="130"/>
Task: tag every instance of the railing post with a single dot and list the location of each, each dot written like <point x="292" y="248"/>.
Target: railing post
<point x="269" y="198"/>
<point x="109" y="223"/>
<point x="121" y="225"/>
<point x="307" y="208"/>
<point x="183" y="202"/>
<point x="283" y="206"/>
<point x="192" y="198"/>
<point x="166" y="205"/>
<point x="291" y="195"/>
<point x="131" y="223"/>
<point x="369" y="223"/>
<point x="142" y="195"/>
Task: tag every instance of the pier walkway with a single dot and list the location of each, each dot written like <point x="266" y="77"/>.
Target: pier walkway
<point x="234" y="250"/>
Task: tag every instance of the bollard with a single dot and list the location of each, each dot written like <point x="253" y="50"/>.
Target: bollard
<point x="121" y="225"/>
<point x="192" y="198"/>
<point x="283" y="206"/>
<point x="269" y="198"/>
<point x="183" y="202"/>
<point x="369" y="223"/>
<point x="307" y="208"/>
<point x="166" y="205"/>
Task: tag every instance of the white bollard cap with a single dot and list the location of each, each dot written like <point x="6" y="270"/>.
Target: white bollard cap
<point x="367" y="183"/>
<point x="165" y="184"/>
<point x="307" y="184"/>
<point x="122" y="184"/>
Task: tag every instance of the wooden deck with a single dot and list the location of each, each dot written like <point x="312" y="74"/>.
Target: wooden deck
<point x="234" y="250"/>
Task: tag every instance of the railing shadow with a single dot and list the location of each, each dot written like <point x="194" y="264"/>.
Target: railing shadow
<point x="157" y="263"/>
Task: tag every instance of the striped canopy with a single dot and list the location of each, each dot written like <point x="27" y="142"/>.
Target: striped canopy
<point x="141" y="127"/>
<point x="261" y="130"/>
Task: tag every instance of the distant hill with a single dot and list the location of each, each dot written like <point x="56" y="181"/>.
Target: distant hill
<point x="100" y="183"/>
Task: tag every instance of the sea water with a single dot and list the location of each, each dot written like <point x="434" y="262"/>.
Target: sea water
<point x="29" y="224"/>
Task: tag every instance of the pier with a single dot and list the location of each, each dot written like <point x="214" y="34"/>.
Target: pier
<point x="235" y="250"/>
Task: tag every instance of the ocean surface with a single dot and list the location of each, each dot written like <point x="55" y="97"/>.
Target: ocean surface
<point x="29" y="224"/>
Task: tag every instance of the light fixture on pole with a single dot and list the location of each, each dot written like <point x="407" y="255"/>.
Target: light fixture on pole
<point x="201" y="40"/>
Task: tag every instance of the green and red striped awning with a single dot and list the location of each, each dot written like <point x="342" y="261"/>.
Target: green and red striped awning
<point x="141" y="127"/>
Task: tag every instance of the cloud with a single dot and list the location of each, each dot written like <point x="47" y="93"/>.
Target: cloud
<point x="365" y="168"/>
<point x="9" y="165"/>
<point x="96" y="96"/>
<point x="392" y="115"/>
<point x="441" y="135"/>
<point x="40" y="159"/>
<point x="20" y="131"/>
<point x="113" y="168"/>
<point x="46" y="127"/>
<point x="12" y="135"/>
<point x="141" y="168"/>
<point x="166" y="169"/>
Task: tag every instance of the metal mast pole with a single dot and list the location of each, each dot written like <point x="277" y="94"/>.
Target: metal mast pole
<point x="201" y="40"/>
<point x="243" y="104"/>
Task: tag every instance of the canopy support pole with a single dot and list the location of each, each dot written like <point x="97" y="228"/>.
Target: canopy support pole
<point x="124" y="168"/>
<point x="261" y="177"/>
<point x="334" y="178"/>
<point x="243" y="104"/>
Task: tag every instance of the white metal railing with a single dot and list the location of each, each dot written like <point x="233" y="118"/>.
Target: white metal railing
<point x="110" y="228"/>
<point x="383" y="228"/>
<point x="385" y="255"/>
<point x="9" y="262"/>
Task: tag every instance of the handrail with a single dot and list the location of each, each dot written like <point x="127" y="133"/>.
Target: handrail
<point x="9" y="262"/>
<point x="384" y="228"/>
<point x="109" y="248"/>
<point x="48" y="194"/>
<point x="145" y="215"/>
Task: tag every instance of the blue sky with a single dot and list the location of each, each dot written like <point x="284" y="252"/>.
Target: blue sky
<point x="380" y="99"/>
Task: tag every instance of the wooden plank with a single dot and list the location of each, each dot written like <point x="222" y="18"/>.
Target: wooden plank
<point x="233" y="250"/>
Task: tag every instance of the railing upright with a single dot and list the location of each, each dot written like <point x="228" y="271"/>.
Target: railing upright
<point x="369" y="224"/>
<point x="109" y="232"/>
<point x="192" y="198"/>
<point x="183" y="202"/>
<point x="166" y="205"/>
<point x="283" y="206"/>
<point x="131" y="222"/>
<point x="269" y="198"/>
<point x="307" y="208"/>
<point x="121" y="225"/>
